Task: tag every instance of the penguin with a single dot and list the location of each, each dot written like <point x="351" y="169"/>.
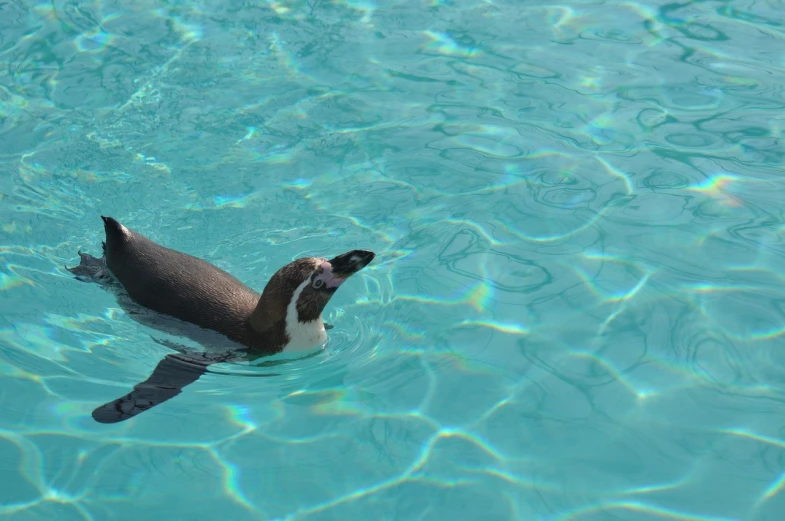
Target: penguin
<point x="178" y="293"/>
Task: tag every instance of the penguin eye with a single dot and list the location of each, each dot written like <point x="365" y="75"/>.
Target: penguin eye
<point x="318" y="283"/>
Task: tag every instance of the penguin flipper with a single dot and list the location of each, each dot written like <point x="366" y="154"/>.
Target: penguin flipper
<point x="327" y="326"/>
<point x="174" y="346"/>
<point x="169" y="377"/>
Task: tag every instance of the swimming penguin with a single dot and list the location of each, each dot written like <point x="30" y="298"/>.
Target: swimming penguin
<point x="175" y="292"/>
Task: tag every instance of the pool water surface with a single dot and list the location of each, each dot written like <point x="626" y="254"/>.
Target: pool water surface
<point x="577" y="307"/>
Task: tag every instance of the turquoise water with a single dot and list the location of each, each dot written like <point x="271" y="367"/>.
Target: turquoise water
<point x="577" y="308"/>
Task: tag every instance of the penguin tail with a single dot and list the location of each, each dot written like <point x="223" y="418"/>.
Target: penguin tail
<point x="110" y="223"/>
<point x="114" y="230"/>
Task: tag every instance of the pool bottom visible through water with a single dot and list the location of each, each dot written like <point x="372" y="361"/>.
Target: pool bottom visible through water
<point x="574" y="313"/>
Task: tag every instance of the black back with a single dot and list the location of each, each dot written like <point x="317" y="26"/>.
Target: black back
<point x="178" y="284"/>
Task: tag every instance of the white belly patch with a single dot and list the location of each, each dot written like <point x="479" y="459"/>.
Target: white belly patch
<point x="303" y="336"/>
<point x="306" y="336"/>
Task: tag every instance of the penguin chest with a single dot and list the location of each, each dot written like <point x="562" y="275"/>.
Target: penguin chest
<point x="304" y="336"/>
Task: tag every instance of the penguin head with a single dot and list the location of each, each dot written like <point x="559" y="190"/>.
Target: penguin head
<point x="296" y="295"/>
<point x="319" y="278"/>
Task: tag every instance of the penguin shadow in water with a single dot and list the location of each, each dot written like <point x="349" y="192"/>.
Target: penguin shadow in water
<point x="186" y="296"/>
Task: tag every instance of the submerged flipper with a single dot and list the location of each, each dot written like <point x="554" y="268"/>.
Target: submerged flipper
<point x="169" y="377"/>
<point x="174" y="346"/>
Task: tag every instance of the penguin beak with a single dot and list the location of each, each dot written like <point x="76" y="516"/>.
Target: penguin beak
<point x="349" y="263"/>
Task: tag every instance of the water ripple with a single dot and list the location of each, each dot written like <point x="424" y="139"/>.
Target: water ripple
<point x="575" y="311"/>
